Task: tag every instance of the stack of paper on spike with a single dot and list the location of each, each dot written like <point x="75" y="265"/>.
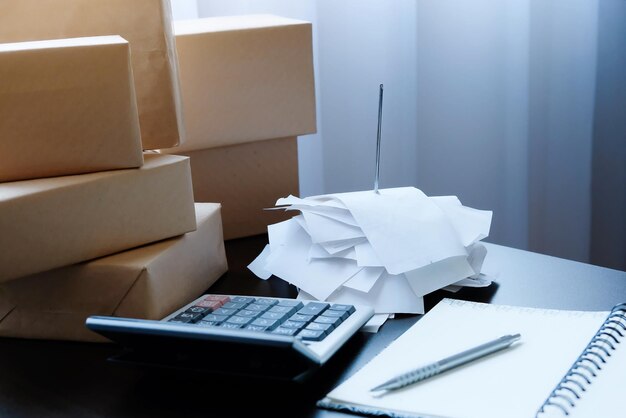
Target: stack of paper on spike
<point x="386" y="249"/>
<point x="248" y="90"/>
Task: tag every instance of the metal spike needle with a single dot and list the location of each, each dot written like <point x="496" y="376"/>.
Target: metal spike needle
<point x="380" y="125"/>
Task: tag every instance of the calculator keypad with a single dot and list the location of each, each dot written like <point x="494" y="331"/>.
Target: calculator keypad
<point x="310" y="321"/>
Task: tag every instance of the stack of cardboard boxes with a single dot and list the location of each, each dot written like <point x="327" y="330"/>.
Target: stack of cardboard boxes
<point x="90" y="224"/>
<point x="248" y="90"/>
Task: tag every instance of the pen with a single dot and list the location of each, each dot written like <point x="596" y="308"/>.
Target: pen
<point x="447" y="363"/>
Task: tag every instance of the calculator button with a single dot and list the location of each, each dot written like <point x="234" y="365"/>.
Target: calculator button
<point x="180" y="321"/>
<point x="210" y="304"/>
<point x="217" y="298"/>
<point x="301" y="318"/>
<point x="328" y="320"/>
<point x="188" y="317"/>
<point x="283" y="309"/>
<point x="316" y="326"/>
<point x="293" y="324"/>
<point x="224" y="311"/>
<point x="242" y="299"/>
<point x="267" y="302"/>
<point x="336" y="314"/>
<point x="292" y="303"/>
<point x="198" y="309"/>
<point x="313" y="308"/>
<point x="212" y="301"/>
<point x="234" y="305"/>
<point x="208" y="323"/>
<point x="248" y="314"/>
<point x="215" y="318"/>
<point x="256" y="328"/>
<point x="241" y="320"/>
<point x="258" y="307"/>
<point x="339" y="307"/>
<point x="229" y="325"/>
<point x="279" y="316"/>
<point x="307" y="334"/>
<point x="285" y="331"/>
<point x="268" y="323"/>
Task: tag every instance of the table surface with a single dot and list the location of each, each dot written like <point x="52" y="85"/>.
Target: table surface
<point x="52" y="378"/>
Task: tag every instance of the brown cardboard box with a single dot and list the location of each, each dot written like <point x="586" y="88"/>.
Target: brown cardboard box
<point x="246" y="179"/>
<point x="67" y="107"/>
<point x="59" y="221"/>
<point x="148" y="282"/>
<point x="245" y="78"/>
<point x="146" y="24"/>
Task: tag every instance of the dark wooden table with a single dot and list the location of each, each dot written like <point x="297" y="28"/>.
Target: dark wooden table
<point x="64" y="379"/>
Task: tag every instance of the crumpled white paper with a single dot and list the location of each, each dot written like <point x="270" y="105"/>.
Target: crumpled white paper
<point x="385" y="249"/>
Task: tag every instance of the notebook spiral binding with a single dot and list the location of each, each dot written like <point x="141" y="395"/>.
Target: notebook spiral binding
<point x="586" y="367"/>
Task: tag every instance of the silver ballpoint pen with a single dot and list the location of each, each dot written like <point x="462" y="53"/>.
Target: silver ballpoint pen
<point x="447" y="363"/>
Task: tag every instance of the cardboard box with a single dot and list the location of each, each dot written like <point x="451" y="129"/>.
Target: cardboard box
<point x="246" y="179"/>
<point x="148" y="282"/>
<point x="146" y="24"/>
<point x="59" y="221"/>
<point x="67" y="107"/>
<point x="245" y="78"/>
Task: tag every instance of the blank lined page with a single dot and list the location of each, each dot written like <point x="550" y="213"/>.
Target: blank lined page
<point x="510" y="383"/>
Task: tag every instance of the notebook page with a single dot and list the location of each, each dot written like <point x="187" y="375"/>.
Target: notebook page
<point x="511" y="383"/>
<point x="604" y="397"/>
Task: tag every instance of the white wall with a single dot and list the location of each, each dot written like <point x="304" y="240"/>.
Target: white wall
<point x="563" y="50"/>
<point x="184" y="9"/>
<point x="608" y="228"/>
<point x="506" y="93"/>
<point x="363" y="44"/>
<point x="471" y="114"/>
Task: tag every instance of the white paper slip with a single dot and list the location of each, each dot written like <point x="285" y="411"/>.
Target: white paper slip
<point x="374" y="324"/>
<point x="318" y="252"/>
<point x="323" y="200"/>
<point x="437" y="275"/>
<point x="366" y="256"/>
<point x="325" y="229"/>
<point x="390" y="294"/>
<point x="477" y="253"/>
<point x="291" y="262"/>
<point x="337" y="246"/>
<point x="365" y="279"/>
<point x="471" y="224"/>
<point x="335" y="213"/>
<point x="481" y="281"/>
<point x="258" y="264"/>
<point x="406" y="229"/>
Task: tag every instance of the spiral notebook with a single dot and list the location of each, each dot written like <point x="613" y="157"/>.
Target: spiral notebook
<point x="568" y="363"/>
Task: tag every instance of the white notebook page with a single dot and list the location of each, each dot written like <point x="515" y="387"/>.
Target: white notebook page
<point x="604" y="396"/>
<point x="511" y="383"/>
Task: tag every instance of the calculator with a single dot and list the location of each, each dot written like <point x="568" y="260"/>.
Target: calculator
<point x="237" y="335"/>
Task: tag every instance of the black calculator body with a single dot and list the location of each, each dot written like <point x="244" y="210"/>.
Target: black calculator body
<point x="237" y="335"/>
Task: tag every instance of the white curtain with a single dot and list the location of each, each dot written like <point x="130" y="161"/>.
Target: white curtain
<point x="518" y="106"/>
